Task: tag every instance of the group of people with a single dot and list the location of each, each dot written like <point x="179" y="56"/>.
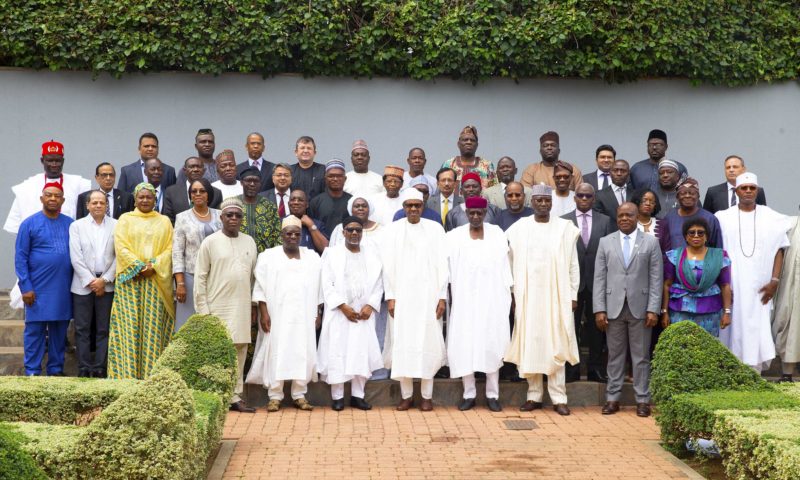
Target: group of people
<point x="352" y="275"/>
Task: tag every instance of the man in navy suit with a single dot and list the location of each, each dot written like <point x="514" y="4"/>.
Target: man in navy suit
<point x="601" y="178"/>
<point x="133" y="173"/>
<point x="118" y="202"/>
<point x="723" y="196"/>
<point x="255" y="158"/>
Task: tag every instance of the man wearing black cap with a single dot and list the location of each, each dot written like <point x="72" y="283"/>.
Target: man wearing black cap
<point x="644" y="174"/>
<point x="542" y="172"/>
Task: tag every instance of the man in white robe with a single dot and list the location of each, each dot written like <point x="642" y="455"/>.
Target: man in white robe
<point x="223" y="282"/>
<point x="361" y="181"/>
<point x="386" y="205"/>
<point x="544" y="262"/>
<point x="480" y="281"/>
<point x="352" y="286"/>
<point x="287" y="289"/>
<point x="786" y="316"/>
<point x="754" y="237"/>
<point x="414" y="255"/>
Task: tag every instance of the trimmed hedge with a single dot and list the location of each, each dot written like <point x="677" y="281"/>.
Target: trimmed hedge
<point x="728" y="42"/>
<point x="15" y="463"/>
<point x="203" y="354"/>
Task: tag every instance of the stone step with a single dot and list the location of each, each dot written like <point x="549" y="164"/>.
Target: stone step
<point x="11" y="333"/>
<point x="6" y="312"/>
<point x="12" y="362"/>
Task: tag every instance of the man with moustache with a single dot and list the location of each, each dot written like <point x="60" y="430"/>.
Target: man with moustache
<point x="226" y="171"/>
<point x="117" y="201"/>
<point x="601" y="178"/>
<point x="330" y="206"/>
<point x="470" y="187"/>
<point x="312" y="233"/>
<point x="361" y="182"/>
<point x="280" y="193"/>
<point x="646" y="173"/>
<point x="542" y="172"/>
<point x="416" y="168"/>
<point x="722" y="196"/>
<point x="515" y="199"/>
<point x="446" y="199"/>
<point x="133" y="174"/>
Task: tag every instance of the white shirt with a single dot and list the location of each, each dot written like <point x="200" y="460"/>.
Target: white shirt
<point x="110" y="200"/>
<point x="99" y="239"/>
<point x="449" y="202"/>
<point x="259" y="160"/>
<point x="228" y="190"/>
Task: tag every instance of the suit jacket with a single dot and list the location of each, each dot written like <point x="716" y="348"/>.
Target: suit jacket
<point x="458" y="216"/>
<point x="131" y="175"/>
<point x="591" y="179"/>
<point x="718" y="198"/>
<point x="123" y="203"/>
<point x="266" y="173"/>
<point x="435" y="205"/>
<point x="606" y="202"/>
<point x="270" y="195"/>
<point x="81" y="255"/>
<point x="640" y="283"/>
<point x="176" y="200"/>
<point x="497" y="196"/>
<point x="601" y="226"/>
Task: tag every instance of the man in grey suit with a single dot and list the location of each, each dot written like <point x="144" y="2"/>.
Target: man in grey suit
<point x="446" y="199"/>
<point x="496" y="194"/>
<point x="593" y="226"/>
<point x="628" y="279"/>
<point x="94" y="264"/>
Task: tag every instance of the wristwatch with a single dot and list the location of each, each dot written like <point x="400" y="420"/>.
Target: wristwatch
<point x="664" y="310"/>
<point x="314" y="227"/>
<point x="726" y="310"/>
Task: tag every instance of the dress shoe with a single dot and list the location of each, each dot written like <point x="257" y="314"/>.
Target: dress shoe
<point x="337" y="405"/>
<point x="405" y="404"/>
<point x="241" y="407"/>
<point x="610" y="408"/>
<point x="642" y="410"/>
<point x="530" y="406"/>
<point x="561" y="409"/>
<point x="494" y="405"/>
<point x="597" y="376"/>
<point x="273" y="405"/>
<point x="84" y="374"/>
<point x="302" y="404"/>
<point x="426" y="405"/>
<point x="359" y="403"/>
<point x="443" y="372"/>
<point x="466" y="404"/>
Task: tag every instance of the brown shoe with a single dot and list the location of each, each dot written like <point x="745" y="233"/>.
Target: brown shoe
<point x="643" y="409"/>
<point x="405" y="404"/>
<point x="273" y="405"/>
<point x="530" y="406"/>
<point x="426" y="405"/>
<point x="610" y="408"/>
<point x="302" y="404"/>
<point x="561" y="409"/>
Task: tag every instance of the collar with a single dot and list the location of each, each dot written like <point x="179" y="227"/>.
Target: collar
<point x="587" y="213"/>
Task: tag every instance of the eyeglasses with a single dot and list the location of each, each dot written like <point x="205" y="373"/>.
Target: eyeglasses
<point x="282" y="175"/>
<point x="233" y="215"/>
<point x="584" y="196"/>
<point x="562" y="177"/>
<point x="106" y="175"/>
<point x="353" y="229"/>
<point x="197" y="191"/>
<point x="696" y="233"/>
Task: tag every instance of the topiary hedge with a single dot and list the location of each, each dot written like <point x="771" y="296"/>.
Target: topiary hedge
<point x="15" y="463"/>
<point x="203" y="354"/>
<point x="729" y="42"/>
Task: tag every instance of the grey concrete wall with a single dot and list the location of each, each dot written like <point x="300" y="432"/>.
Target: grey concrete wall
<point x="101" y="120"/>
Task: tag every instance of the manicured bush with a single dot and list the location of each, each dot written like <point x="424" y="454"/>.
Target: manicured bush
<point x="15" y="463"/>
<point x="209" y="421"/>
<point x="202" y="352"/>
<point x="728" y="42"/>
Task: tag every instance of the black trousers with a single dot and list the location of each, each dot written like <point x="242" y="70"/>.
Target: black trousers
<point x="91" y="310"/>
<point x="587" y="334"/>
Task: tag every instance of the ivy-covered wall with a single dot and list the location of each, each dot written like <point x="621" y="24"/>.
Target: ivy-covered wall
<point x="727" y="42"/>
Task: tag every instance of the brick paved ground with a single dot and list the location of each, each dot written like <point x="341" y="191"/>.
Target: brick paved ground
<point x="444" y="444"/>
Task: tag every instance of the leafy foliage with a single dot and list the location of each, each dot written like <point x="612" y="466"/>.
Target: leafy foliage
<point x="15" y="463"/>
<point x="729" y="42"/>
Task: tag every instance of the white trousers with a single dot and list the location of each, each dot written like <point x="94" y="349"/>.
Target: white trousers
<point x="356" y="388"/>
<point x="407" y="387"/>
<point x="492" y="385"/>
<point x="241" y="357"/>
<point x="788" y="367"/>
<point x="299" y="389"/>
<point x="556" y="387"/>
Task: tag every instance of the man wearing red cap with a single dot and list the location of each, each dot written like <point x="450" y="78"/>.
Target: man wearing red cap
<point x="542" y="172"/>
<point x="27" y="193"/>
<point x="41" y="261"/>
<point x="470" y="187"/>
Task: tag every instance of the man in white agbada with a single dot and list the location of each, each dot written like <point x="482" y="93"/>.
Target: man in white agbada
<point x="414" y="255"/>
<point x="544" y="262"/>
<point x="480" y="281"/>
<point x="754" y="236"/>
<point x="385" y="205"/>
<point x="223" y="282"/>
<point x="289" y="298"/>
<point x="352" y="286"/>
<point x="786" y="315"/>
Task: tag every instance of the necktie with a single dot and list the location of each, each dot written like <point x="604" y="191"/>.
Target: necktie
<point x="281" y="208"/>
<point x="445" y="209"/>
<point x="108" y="204"/>
<point x="733" y="197"/>
<point x="621" y="194"/>
<point x="585" y="230"/>
<point x="257" y="164"/>
<point x="626" y="250"/>
<point x="605" y="180"/>
<point x="158" y="201"/>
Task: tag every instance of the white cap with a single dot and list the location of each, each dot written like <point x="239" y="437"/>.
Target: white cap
<point x="410" y="194"/>
<point x="747" y="178"/>
<point x="291" y="221"/>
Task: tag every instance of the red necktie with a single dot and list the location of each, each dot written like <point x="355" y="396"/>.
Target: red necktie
<point x="281" y="208"/>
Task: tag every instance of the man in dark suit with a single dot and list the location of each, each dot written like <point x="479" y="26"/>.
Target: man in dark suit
<point x="620" y="191"/>
<point x="601" y="178"/>
<point x="446" y="199"/>
<point x="280" y="194"/>
<point x="255" y="151"/>
<point x="593" y="226"/>
<point x="119" y="202"/>
<point x="722" y="196"/>
<point x="176" y="197"/>
<point x="133" y="173"/>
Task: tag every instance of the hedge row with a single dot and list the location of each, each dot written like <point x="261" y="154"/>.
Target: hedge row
<point x="730" y="42"/>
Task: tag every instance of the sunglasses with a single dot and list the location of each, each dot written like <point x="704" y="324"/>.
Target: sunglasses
<point x="353" y="229"/>
<point x="233" y="215"/>
<point x="584" y="196"/>
<point x="696" y="233"/>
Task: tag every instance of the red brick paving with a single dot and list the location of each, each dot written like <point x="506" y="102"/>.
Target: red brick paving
<point x="444" y="444"/>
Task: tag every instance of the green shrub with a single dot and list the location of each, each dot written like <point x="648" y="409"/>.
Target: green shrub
<point x="202" y="352"/>
<point x="688" y="360"/>
<point x="210" y="420"/>
<point x="53" y="447"/>
<point x="56" y="399"/>
<point x="15" y="463"/>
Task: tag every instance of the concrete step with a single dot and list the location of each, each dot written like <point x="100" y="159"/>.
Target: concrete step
<point x="11" y="333"/>
<point x="12" y="362"/>
<point x="6" y="312"/>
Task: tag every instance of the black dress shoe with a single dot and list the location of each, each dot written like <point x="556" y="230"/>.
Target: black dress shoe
<point x="597" y="376"/>
<point x="561" y="409"/>
<point x="338" y="405"/>
<point x="530" y="406"/>
<point x="241" y="407"/>
<point x="443" y="372"/>
<point x="466" y="404"/>
<point x="642" y="410"/>
<point x="494" y="405"/>
<point x="359" y="403"/>
<point x="610" y="408"/>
